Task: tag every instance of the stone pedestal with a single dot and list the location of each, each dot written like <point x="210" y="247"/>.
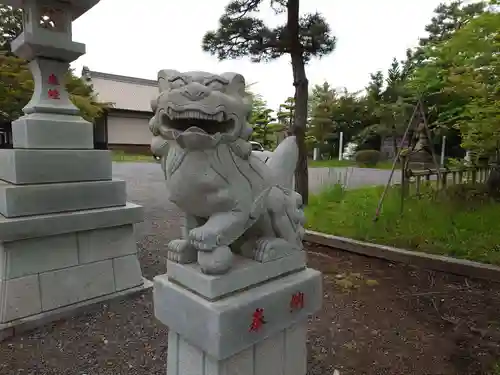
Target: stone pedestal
<point x="251" y="321"/>
<point x="66" y="229"/>
<point x="420" y="161"/>
<point x="66" y="233"/>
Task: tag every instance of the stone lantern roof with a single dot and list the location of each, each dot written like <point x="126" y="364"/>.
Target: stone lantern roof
<point x="78" y="6"/>
<point x="47" y="28"/>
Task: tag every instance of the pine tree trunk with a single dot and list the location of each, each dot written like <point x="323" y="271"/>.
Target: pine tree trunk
<point x="301" y="97"/>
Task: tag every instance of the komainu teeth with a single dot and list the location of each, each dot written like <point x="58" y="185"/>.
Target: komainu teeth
<point x="196" y="115"/>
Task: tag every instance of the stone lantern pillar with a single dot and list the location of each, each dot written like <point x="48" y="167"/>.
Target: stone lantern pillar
<point x="66" y="229"/>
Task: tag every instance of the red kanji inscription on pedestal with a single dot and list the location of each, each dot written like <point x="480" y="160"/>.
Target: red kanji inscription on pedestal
<point x="53" y="80"/>
<point x="257" y="320"/>
<point x="53" y="94"/>
<point x="297" y="301"/>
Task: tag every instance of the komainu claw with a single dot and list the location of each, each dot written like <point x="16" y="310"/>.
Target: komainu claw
<point x="180" y="251"/>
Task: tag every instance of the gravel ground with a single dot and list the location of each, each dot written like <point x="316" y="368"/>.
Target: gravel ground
<point x="377" y="318"/>
<point x="146" y="186"/>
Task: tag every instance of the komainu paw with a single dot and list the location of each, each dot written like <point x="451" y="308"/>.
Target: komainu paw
<point x="269" y="249"/>
<point x="180" y="251"/>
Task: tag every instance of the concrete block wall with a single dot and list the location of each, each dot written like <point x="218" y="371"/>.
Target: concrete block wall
<point x="46" y="273"/>
<point x="283" y="353"/>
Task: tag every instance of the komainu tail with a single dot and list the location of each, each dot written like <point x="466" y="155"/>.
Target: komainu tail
<point x="284" y="161"/>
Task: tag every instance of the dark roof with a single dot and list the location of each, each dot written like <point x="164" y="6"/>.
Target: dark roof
<point x="88" y="74"/>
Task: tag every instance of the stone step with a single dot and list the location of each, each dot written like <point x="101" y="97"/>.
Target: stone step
<point x="13" y="229"/>
<point x="26" y="200"/>
<point x="24" y="166"/>
<point x="52" y="131"/>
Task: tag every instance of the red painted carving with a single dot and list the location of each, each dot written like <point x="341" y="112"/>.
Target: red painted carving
<point x="297" y="301"/>
<point x="54" y="94"/>
<point x="257" y="320"/>
<point x="53" y="80"/>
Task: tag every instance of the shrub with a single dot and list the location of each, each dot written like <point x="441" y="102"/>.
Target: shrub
<point x="468" y="193"/>
<point x="367" y="158"/>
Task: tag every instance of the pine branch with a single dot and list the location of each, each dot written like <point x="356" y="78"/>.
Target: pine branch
<point x="241" y="34"/>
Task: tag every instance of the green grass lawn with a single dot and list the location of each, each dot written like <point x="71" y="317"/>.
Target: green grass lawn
<point x="335" y="163"/>
<point x="120" y="156"/>
<point x="436" y="225"/>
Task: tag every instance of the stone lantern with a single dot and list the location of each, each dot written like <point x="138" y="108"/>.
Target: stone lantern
<point x="66" y="229"/>
<point x="46" y="41"/>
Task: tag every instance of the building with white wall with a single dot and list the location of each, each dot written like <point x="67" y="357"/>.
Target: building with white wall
<point x="124" y="126"/>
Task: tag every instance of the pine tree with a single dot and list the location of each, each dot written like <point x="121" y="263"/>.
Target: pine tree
<point x="241" y="33"/>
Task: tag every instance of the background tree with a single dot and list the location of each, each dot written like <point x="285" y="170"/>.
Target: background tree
<point x="448" y="18"/>
<point x="266" y="129"/>
<point x="349" y="113"/>
<point x="390" y="97"/>
<point x="286" y="113"/>
<point x="263" y="123"/>
<point x="369" y="136"/>
<point x="11" y="25"/>
<point x="242" y="33"/>
<point x="16" y="83"/>
<point x="456" y="78"/>
<point x="335" y="111"/>
<point x="258" y="103"/>
<point x="462" y="79"/>
<point x="322" y="127"/>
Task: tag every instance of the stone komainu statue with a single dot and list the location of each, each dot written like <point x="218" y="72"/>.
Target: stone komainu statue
<point x="233" y="202"/>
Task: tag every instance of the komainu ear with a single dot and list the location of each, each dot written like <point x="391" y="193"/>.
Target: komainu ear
<point x="236" y="84"/>
<point x="154" y="104"/>
<point x="164" y="77"/>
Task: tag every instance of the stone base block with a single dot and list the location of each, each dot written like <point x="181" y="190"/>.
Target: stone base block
<point x="105" y="243"/>
<point x="63" y="251"/>
<point x="37" y="255"/>
<point x="26" y="200"/>
<point x="283" y="353"/>
<point x="34" y="321"/>
<point x="13" y="229"/>
<point x="228" y="327"/>
<point x="245" y="273"/>
<point x="51" y="131"/>
<point x="23" y="166"/>
<point x="43" y="274"/>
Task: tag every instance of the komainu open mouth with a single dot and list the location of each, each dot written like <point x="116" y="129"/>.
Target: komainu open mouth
<point x="210" y="123"/>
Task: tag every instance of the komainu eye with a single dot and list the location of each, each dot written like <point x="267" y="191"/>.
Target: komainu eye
<point x="215" y="85"/>
<point x="176" y="83"/>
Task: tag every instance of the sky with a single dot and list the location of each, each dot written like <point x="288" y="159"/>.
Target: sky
<point x="139" y="38"/>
